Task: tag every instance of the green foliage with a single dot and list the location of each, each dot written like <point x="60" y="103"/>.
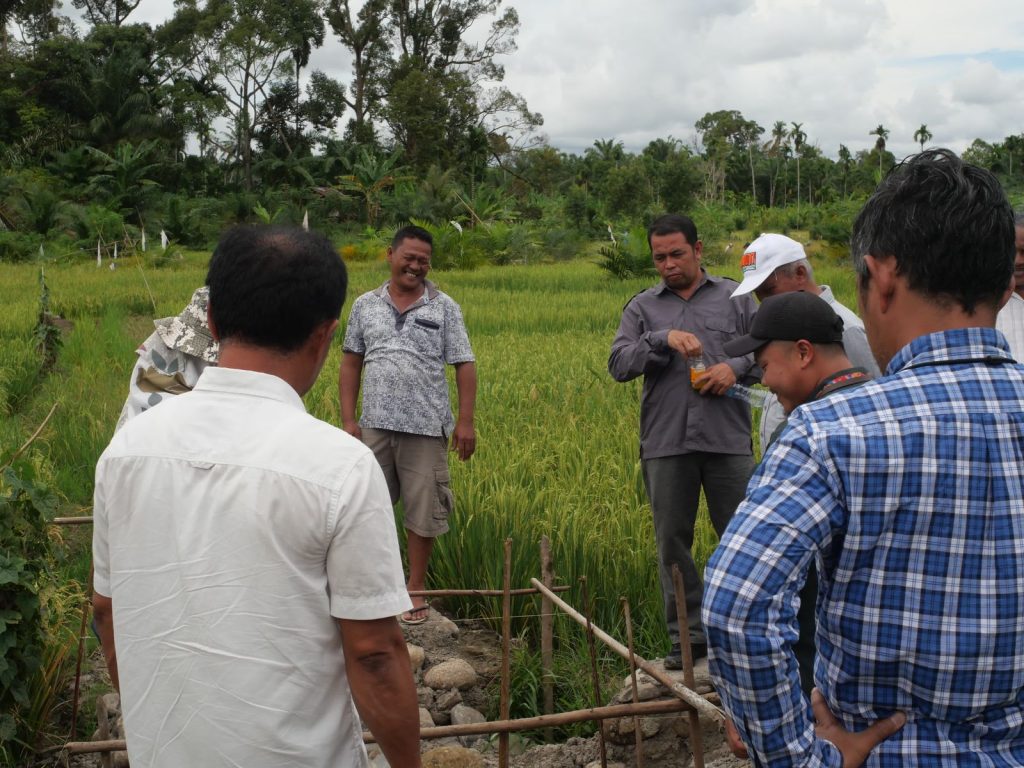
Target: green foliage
<point x="25" y="509"/>
<point x="94" y="223"/>
<point x="629" y="256"/>
<point x="18" y="246"/>
<point x="47" y="334"/>
<point x="573" y="686"/>
<point x="833" y="222"/>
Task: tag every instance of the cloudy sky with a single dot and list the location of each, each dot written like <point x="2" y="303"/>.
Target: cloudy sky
<point x="634" y="70"/>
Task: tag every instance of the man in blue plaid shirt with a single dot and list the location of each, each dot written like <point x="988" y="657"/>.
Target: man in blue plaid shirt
<point x="907" y="495"/>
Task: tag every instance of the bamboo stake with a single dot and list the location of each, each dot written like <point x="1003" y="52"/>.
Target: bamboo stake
<point x="662" y="707"/>
<point x="86" y="604"/>
<point x="637" y="734"/>
<point x="506" y="652"/>
<point x="696" y="736"/>
<point x="595" y="678"/>
<point x="547" y="634"/>
<point x="31" y="440"/>
<point x="481" y="592"/>
<point x="79" y="520"/>
<point x="691" y="697"/>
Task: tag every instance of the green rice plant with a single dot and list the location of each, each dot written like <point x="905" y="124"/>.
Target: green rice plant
<point x="573" y="687"/>
<point x="557" y="448"/>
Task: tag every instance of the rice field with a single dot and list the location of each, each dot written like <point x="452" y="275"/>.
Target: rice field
<point x="557" y="440"/>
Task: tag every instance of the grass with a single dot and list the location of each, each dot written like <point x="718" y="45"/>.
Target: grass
<point x="557" y="437"/>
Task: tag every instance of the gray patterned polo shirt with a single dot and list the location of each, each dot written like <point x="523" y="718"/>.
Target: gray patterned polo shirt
<point x="404" y="355"/>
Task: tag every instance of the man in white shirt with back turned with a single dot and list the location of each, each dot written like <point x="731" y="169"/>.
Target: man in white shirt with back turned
<point x="247" y="570"/>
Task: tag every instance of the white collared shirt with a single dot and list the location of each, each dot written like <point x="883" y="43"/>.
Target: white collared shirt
<point x="1010" y="322"/>
<point x="231" y="530"/>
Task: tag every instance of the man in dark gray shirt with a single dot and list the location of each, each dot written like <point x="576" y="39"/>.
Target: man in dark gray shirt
<point x="689" y="438"/>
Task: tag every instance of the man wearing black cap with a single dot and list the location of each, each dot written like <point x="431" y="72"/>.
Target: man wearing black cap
<point x="797" y="340"/>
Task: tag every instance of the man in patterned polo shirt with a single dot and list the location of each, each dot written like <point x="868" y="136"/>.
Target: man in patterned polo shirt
<point x="398" y="340"/>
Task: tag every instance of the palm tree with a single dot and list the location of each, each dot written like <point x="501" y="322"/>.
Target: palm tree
<point x="608" y="150"/>
<point x="779" y="136"/>
<point x="123" y="175"/>
<point x="922" y="135"/>
<point x="845" y="159"/>
<point x="882" y="133"/>
<point x="799" y="137"/>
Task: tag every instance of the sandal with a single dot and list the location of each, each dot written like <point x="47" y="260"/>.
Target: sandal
<point x="416" y="615"/>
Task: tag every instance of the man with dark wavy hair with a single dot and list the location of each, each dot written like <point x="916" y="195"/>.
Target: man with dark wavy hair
<point x="247" y="570"/>
<point x="906" y="495"/>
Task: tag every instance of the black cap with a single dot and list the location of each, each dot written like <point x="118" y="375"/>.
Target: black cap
<point x="792" y="316"/>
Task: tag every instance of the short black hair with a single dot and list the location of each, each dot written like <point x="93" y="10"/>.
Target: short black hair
<point x="272" y="286"/>
<point x="949" y="226"/>
<point x="413" y="232"/>
<point x="669" y="223"/>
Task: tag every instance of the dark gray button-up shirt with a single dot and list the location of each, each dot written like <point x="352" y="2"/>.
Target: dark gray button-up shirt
<point x="674" y="419"/>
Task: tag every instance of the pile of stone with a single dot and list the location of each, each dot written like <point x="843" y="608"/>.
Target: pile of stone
<point x="456" y="672"/>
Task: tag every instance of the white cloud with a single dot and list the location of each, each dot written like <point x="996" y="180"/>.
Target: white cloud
<point x="648" y="68"/>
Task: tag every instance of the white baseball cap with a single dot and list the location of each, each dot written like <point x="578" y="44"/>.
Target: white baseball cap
<point x="764" y="256"/>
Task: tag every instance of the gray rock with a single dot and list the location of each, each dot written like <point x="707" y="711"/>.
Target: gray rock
<point x="455" y="673"/>
<point x="416" y="656"/>
<point x="426" y="721"/>
<point x="425" y="696"/>
<point x="448" y="699"/>
<point x="452" y="757"/>
<point x="463" y="715"/>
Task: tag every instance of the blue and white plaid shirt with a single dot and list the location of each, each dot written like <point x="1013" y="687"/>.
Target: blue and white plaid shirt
<point x="908" y="493"/>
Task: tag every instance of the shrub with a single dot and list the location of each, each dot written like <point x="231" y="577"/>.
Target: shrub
<point x="26" y="507"/>
<point x="94" y="222"/>
<point x="629" y="256"/>
<point x="18" y="246"/>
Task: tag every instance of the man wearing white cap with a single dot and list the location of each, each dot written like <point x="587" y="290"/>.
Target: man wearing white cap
<point x="775" y="264"/>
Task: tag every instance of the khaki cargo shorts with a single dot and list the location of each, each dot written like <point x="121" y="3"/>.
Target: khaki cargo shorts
<point x="416" y="468"/>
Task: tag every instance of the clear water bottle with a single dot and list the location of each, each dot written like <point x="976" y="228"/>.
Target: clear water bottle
<point x="755" y="398"/>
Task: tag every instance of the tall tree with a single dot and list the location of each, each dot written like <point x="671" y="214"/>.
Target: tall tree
<point x="776" y="150"/>
<point x="366" y="37"/>
<point x="845" y="159"/>
<point x="882" y="133"/>
<point x="724" y="134"/>
<point x="113" y="12"/>
<point x="239" y="45"/>
<point x="433" y="36"/>
<point x="922" y="135"/>
<point x="797" y="135"/>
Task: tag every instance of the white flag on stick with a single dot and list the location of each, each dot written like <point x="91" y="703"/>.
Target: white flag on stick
<point x="143" y="241"/>
<point x="115" y="251"/>
<point x="305" y="221"/>
<point x="41" y="253"/>
<point x="99" y="255"/>
<point x="163" y="239"/>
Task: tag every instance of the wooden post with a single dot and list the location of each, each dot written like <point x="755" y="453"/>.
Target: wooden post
<point x="547" y="634"/>
<point x="506" y="652"/>
<point x="696" y="736"/>
<point x="595" y="677"/>
<point x="659" y="707"/>
<point x="75" y="698"/>
<point x="638" y="736"/>
<point x="693" y="699"/>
